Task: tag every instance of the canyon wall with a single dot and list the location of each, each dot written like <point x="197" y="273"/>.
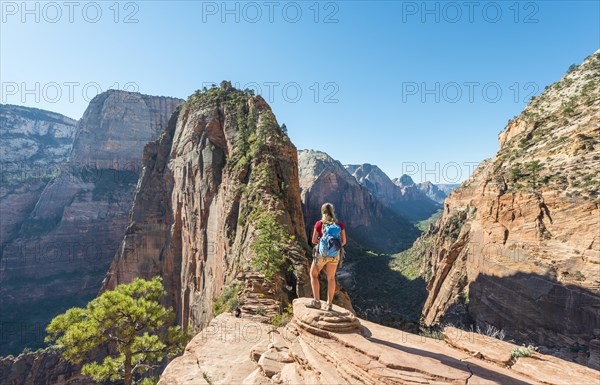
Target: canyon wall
<point x="370" y="224"/>
<point x="518" y="244"/>
<point x="34" y="144"/>
<point x="64" y="247"/>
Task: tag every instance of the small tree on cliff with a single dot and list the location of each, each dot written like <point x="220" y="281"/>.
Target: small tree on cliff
<point x="131" y="321"/>
<point x="269" y="246"/>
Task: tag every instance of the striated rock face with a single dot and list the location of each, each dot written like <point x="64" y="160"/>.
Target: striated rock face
<point x="401" y="195"/>
<point x="116" y="126"/>
<point x="369" y="223"/>
<point x="64" y="247"/>
<point x="321" y="347"/>
<point x="518" y="245"/>
<point x="34" y="144"/>
<point x="221" y="165"/>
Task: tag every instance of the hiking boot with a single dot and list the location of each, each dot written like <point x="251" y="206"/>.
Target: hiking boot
<point x="328" y="306"/>
<point x="314" y="304"/>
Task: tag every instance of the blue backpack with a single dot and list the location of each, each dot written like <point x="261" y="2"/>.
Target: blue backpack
<point x="331" y="242"/>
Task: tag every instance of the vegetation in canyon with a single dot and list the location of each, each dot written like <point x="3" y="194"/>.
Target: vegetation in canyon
<point x="131" y="322"/>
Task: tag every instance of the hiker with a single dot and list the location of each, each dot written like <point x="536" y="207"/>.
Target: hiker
<point x="328" y="239"/>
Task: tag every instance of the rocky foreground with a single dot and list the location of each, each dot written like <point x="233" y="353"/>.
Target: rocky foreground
<point x="321" y="347"/>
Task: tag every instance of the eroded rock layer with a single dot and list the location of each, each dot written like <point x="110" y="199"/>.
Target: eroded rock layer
<point x="64" y="247"/>
<point x="221" y="168"/>
<point x="334" y="347"/>
<point x="518" y="244"/>
<point x="34" y="144"/>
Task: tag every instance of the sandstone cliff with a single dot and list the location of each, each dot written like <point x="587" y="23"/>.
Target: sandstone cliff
<point x="401" y="195"/>
<point x="64" y="247"/>
<point x="369" y="222"/>
<point x="518" y="245"/>
<point x="34" y="144"/>
<point x="222" y="165"/>
<point x="320" y="347"/>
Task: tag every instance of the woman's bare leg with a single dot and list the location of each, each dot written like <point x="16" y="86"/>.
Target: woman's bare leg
<point x="314" y="280"/>
<point x="330" y="269"/>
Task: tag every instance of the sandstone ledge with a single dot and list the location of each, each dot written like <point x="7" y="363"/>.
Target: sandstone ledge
<point x="336" y="320"/>
<point x="335" y="347"/>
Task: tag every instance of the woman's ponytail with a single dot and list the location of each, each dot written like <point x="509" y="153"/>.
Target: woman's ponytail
<point x="328" y="214"/>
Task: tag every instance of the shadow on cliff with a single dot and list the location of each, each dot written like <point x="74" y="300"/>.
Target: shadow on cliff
<point x="537" y="309"/>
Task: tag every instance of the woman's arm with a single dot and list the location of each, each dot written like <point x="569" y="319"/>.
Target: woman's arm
<point x="315" y="236"/>
<point x="344" y="237"/>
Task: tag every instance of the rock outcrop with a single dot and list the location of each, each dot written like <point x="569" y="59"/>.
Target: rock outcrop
<point x="40" y="368"/>
<point x="518" y="244"/>
<point x="34" y="144"/>
<point x="334" y="347"/>
<point x="220" y="175"/>
<point x="369" y="222"/>
<point x="401" y="195"/>
<point x="65" y="246"/>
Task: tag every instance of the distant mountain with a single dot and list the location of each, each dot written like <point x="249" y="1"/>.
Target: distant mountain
<point x="437" y="192"/>
<point x="60" y="252"/>
<point x="447" y="188"/>
<point x="369" y="220"/>
<point x="377" y="182"/>
<point x="34" y="143"/>
<point x="34" y="136"/>
<point x="401" y="194"/>
<point x="409" y="189"/>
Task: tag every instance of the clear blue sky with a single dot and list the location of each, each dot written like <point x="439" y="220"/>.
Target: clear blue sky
<point x="374" y="58"/>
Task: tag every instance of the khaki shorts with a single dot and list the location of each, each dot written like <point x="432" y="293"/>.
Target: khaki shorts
<point x="321" y="261"/>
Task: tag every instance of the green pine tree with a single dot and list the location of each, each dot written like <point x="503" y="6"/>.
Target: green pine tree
<point x="269" y="246"/>
<point x="132" y="321"/>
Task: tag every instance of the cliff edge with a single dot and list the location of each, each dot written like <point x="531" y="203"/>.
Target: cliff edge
<point x="335" y="347"/>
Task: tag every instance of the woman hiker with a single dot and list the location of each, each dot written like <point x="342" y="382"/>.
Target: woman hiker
<point x="333" y="229"/>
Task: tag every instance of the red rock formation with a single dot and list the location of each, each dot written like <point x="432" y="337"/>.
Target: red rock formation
<point x="518" y="245"/>
<point x="222" y="163"/>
